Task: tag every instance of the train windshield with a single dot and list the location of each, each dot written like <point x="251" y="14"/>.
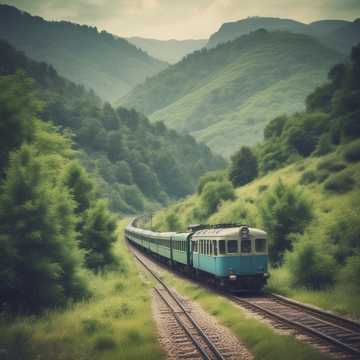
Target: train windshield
<point x="232" y="246"/>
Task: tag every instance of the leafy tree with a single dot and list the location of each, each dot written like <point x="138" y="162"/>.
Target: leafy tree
<point x="213" y="193"/>
<point x="244" y="167"/>
<point x="283" y="211"/>
<point x="98" y="236"/>
<point x="211" y="176"/>
<point x="40" y="259"/>
<point x="18" y="106"/>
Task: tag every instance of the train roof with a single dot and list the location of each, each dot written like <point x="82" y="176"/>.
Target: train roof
<point x="233" y="232"/>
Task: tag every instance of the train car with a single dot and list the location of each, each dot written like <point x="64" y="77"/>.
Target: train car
<point x="229" y="255"/>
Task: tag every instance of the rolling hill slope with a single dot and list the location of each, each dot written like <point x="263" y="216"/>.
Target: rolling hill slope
<point x="98" y="60"/>
<point x="225" y="96"/>
<point x="170" y="51"/>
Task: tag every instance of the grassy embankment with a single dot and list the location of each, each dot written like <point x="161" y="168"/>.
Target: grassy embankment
<point x="328" y="207"/>
<point x="108" y="326"/>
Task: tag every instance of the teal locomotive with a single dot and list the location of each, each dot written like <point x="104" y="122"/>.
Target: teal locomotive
<point x="229" y="255"/>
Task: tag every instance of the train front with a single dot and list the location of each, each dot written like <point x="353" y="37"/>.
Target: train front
<point x="239" y="256"/>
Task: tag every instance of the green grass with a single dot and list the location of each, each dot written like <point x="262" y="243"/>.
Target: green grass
<point x="108" y="326"/>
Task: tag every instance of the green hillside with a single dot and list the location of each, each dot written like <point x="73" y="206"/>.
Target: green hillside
<point x="98" y="60"/>
<point x="136" y="164"/>
<point x="301" y="185"/>
<point x="171" y="50"/>
<point x="225" y="96"/>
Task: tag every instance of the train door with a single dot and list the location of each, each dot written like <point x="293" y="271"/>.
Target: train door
<point x="189" y="251"/>
<point x="171" y="251"/>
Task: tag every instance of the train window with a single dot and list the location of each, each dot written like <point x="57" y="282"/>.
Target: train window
<point x="221" y="246"/>
<point x="245" y="246"/>
<point x="202" y="246"/>
<point x="214" y="247"/>
<point x="195" y="246"/>
<point x="232" y="246"/>
<point x="207" y="247"/>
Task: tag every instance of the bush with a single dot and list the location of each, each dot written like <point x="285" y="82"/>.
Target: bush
<point x="340" y="183"/>
<point x="344" y="233"/>
<point x="104" y="343"/>
<point x="349" y="276"/>
<point x="172" y="222"/>
<point x="283" y="211"/>
<point x="331" y="165"/>
<point x="352" y="151"/>
<point x="211" y="176"/>
<point x="308" y="177"/>
<point x="243" y="168"/>
<point x="310" y="266"/>
<point x="213" y="193"/>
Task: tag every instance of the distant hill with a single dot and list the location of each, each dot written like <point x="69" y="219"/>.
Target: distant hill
<point x="225" y="96"/>
<point x="109" y="65"/>
<point x="340" y="35"/>
<point x="232" y="30"/>
<point x="170" y="51"/>
<point x="344" y="37"/>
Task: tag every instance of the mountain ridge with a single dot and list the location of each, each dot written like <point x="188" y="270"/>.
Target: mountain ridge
<point x="99" y="60"/>
<point x="225" y="95"/>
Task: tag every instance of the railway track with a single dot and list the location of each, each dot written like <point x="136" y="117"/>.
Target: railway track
<point x="339" y="335"/>
<point x="195" y="343"/>
<point x="331" y="333"/>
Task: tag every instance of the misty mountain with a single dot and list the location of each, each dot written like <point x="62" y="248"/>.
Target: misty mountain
<point x="340" y="35"/>
<point x="98" y="60"/>
<point x="232" y="30"/>
<point x="225" y="96"/>
<point x="170" y="51"/>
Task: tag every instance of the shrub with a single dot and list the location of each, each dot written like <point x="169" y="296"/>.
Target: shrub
<point x="104" y="343"/>
<point x="349" y="276"/>
<point x="340" y="183"/>
<point x="262" y="188"/>
<point x="283" y="211"/>
<point x="211" y="176"/>
<point x="352" y="151"/>
<point x="324" y="146"/>
<point x="308" y="177"/>
<point x="310" y="266"/>
<point x="244" y="167"/>
<point x="172" y="222"/>
<point x="344" y="234"/>
<point x="332" y="165"/>
<point x="213" y="193"/>
<point x="90" y="326"/>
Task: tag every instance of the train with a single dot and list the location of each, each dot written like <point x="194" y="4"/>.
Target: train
<point x="229" y="256"/>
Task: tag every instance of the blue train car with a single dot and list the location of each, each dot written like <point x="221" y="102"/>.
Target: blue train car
<point x="233" y="256"/>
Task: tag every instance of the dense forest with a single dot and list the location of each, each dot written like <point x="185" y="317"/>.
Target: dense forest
<point x="135" y="164"/>
<point x="225" y="96"/>
<point x="301" y="184"/>
<point x="339" y="35"/>
<point x="110" y="65"/>
<point x="52" y="223"/>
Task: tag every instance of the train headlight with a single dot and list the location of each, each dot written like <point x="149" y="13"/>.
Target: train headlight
<point x="232" y="277"/>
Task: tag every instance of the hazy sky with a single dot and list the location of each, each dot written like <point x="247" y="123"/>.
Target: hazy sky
<point x="164" y="19"/>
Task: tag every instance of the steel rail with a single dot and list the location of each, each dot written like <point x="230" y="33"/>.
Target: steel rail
<point x="298" y="324"/>
<point x="210" y="344"/>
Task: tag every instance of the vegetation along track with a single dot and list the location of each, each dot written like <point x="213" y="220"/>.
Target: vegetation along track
<point x="199" y="345"/>
<point x="340" y="335"/>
